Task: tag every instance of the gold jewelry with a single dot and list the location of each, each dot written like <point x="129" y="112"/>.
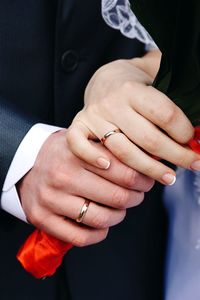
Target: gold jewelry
<point x="109" y="133"/>
<point x="83" y="211"/>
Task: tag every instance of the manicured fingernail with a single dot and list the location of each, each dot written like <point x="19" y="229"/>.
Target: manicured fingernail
<point x="169" y="178"/>
<point x="103" y="163"/>
<point x="195" y="165"/>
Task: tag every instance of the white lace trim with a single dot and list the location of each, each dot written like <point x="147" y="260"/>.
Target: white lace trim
<point x="118" y="15"/>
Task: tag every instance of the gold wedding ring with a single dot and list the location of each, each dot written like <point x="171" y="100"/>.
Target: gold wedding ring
<point x="83" y="211"/>
<point x="109" y="133"/>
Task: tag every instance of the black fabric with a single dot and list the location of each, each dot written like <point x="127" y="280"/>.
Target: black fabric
<point x="48" y="51"/>
<point x="175" y="27"/>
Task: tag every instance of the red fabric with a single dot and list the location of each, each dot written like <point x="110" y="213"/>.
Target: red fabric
<point x="42" y="254"/>
<point x="195" y="142"/>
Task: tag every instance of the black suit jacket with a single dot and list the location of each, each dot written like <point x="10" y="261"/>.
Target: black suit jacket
<point x="179" y="72"/>
<point x="48" y="51"/>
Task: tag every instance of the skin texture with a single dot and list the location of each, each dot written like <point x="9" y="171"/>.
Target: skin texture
<point x="120" y="95"/>
<point x="55" y="189"/>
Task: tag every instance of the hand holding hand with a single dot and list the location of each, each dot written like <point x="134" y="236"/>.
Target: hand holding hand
<point x="120" y="95"/>
<point x="54" y="192"/>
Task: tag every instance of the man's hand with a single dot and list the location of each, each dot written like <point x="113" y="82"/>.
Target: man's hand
<point x="55" y="189"/>
<point x="120" y="95"/>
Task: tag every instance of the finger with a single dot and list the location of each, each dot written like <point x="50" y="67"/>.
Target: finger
<point x="97" y="216"/>
<point x="147" y="136"/>
<point x="135" y="158"/>
<point x="152" y="140"/>
<point x="77" y="138"/>
<point x="122" y="175"/>
<point x="161" y="111"/>
<point x="130" y="154"/>
<point x="95" y="188"/>
<point x="119" y="173"/>
<point x="71" y="232"/>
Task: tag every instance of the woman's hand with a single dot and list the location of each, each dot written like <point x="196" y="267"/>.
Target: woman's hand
<point x="120" y="95"/>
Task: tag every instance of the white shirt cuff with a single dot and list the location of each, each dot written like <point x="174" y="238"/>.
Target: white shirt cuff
<point x="22" y="162"/>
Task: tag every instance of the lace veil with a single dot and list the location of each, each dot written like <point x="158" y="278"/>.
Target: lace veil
<point x="118" y="15"/>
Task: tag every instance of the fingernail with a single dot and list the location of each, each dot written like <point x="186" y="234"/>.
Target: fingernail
<point x="195" y="165"/>
<point x="169" y="178"/>
<point x="103" y="163"/>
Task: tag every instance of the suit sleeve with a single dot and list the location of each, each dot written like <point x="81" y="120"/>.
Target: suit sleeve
<point x="22" y="162"/>
<point x="13" y="127"/>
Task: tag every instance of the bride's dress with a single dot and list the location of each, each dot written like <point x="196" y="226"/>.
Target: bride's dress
<point x="183" y="255"/>
<point x="175" y="26"/>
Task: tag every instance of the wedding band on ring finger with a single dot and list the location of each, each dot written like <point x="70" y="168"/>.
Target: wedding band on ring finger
<point x="83" y="211"/>
<point x="109" y="133"/>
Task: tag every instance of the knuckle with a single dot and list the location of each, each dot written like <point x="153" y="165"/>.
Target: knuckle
<point x="106" y="105"/>
<point x="100" y="236"/>
<point x="101" y="220"/>
<point x="130" y="177"/>
<point x="43" y="196"/>
<point x="184" y="158"/>
<point x="151" y="143"/>
<point x="121" y="216"/>
<point x="168" y="115"/>
<point x="80" y="240"/>
<point x="122" y="154"/>
<point x="70" y="137"/>
<point x="128" y="86"/>
<point x="36" y="218"/>
<point x="50" y="172"/>
<point x="120" y="198"/>
<point x="77" y="148"/>
<point x="59" y="179"/>
<point x="103" y="235"/>
<point x="87" y="238"/>
<point x="54" y="176"/>
<point x="138" y="199"/>
<point x="164" y="116"/>
<point x="188" y="134"/>
<point x="149" y="185"/>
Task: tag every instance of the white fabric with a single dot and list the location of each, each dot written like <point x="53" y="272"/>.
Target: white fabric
<point x="22" y="162"/>
<point x="182" y="201"/>
<point x="118" y="15"/>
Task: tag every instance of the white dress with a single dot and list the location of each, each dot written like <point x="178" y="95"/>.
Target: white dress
<point x="183" y="254"/>
<point x="182" y="200"/>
